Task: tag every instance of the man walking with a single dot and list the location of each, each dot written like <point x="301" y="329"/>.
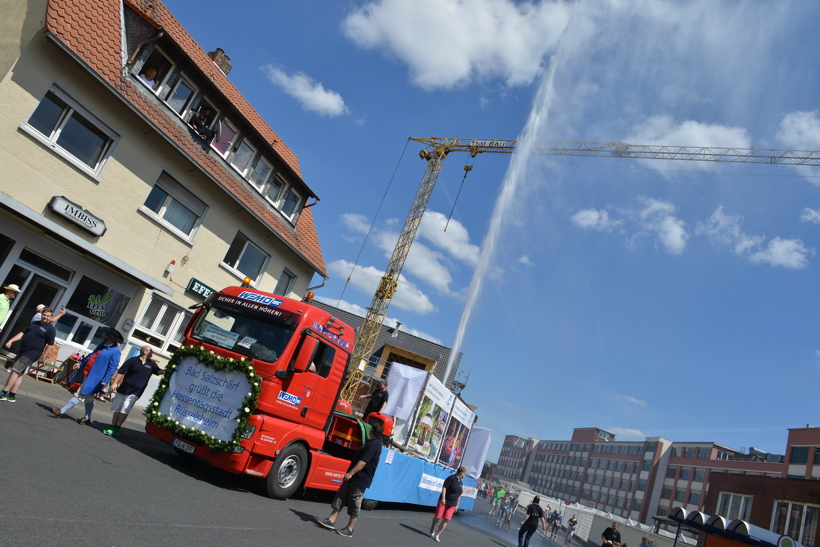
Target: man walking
<point x="571" y="525"/>
<point x="129" y="382"/>
<point x="101" y="365"/>
<point x="8" y="294"/>
<point x="357" y="479"/>
<point x="378" y="399"/>
<point x="37" y="340"/>
<point x="448" y="502"/>
<point x="611" y="536"/>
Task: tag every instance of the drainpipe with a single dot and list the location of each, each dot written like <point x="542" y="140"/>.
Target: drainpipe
<point x="324" y="280"/>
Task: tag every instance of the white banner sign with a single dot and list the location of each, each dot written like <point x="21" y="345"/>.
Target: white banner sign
<point x="205" y="399"/>
<point x="429" y="482"/>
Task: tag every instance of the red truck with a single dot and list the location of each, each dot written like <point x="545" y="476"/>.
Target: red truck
<point x="254" y="390"/>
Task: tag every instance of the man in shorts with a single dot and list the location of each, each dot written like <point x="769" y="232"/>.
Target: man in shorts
<point x="448" y="502"/>
<point x="129" y="382"/>
<point x="357" y="479"/>
<point x="37" y="338"/>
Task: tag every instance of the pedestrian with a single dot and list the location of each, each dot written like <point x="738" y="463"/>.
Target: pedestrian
<point x="571" y="525"/>
<point x="100" y="365"/>
<point x="129" y="382"/>
<point x="448" y="502"/>
<point x="498" y="496"/>
<point x="513" y="505"/>
<point x="378" y="399"/>
<point x="37" y="340"/>
<point x="611" y="536"/>
<point x="649" y="542"/>
<point x="643" y="542"/>
<point x="530" y="524"/>
<point x="556" y="524"/>
<point x="358" y="478"/>
<point x="8" y="294"/>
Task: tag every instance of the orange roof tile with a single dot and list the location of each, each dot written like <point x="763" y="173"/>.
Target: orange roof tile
<point x="90" y="29"/>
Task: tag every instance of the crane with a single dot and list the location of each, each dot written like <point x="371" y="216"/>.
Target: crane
<point x="435" y="151"/>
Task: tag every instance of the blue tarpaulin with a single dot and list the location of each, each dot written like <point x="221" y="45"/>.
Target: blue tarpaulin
<point x="405" y="479"/>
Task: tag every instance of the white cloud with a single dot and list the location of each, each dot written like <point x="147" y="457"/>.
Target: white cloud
<point x="663" y="130"/>
<point x="594" y="219"/>
<point x="810" y="215"/>
<point x="657" y="217"/>
<point x="388" y="321"/>
<point x="631" y="400"/>
<point x="524" y="259"/>
<point x="789" y="253"/>
<point x="408" y="296"/>
<point x="626" y="434"/>
<point x="800" y="130"/>
<point x="448" y="43"/>
<point x="725" y="230"/>
<point x="311" y="94"/>
<point x="357" y="223"/>
<point x="455" y="241"/>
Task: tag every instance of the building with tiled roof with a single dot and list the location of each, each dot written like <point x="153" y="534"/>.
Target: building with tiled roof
<point x="136" y="177"/>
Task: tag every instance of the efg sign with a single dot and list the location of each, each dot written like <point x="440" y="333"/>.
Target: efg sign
<point x="77" y="215"/>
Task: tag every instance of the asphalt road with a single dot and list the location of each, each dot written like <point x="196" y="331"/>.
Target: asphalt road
<point x="67" y="484"/>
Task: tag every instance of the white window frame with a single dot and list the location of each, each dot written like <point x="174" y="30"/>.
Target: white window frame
<point x="261" y="186"/>
<point x="746" y="505"/>
<point x="164" y="80"/>
<point x="254" y="150"/>
<point x="174" y="193"/>
<point x="180" y="320"/>
<point x="787" y="524"/>
<point x="295" y="214"/>
<point x="232" y="141"/>
<point x="187" y="108"/>
<point x="51" y="140"/>
<point x="237" y="273"/>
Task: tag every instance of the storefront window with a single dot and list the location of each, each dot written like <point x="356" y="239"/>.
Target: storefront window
<point x="98" y="302"/>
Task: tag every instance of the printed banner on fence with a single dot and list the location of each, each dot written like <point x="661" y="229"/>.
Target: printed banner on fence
<point x="457" y="435"/>
<point x="430" y="419"/>
<point x="205" y="399"/>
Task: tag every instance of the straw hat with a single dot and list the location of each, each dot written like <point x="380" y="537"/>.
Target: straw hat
<point x="12" y="287"/>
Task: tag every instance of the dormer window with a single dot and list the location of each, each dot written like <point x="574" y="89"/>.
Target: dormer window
<point x="241" y="160"/>
<point x="180" y="97"/>
<point x="156" y="70"/>
<point x="261" y="173"/>
<point x="226" y="136"/>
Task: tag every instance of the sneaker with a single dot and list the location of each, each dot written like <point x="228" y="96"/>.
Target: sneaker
<point x="437" y="539"/>
<point x="8" y="398"/>
<point x="326" y="523"/>
<point x="111" y="431"/>
<point x="344" y="532"/>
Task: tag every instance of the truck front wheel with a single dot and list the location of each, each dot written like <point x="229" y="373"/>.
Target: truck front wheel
<point x="287" y="472"/>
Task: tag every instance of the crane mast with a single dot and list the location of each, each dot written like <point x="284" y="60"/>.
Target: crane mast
<point x="436" y="151"/>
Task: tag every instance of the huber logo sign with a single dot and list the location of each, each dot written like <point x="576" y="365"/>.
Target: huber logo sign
<point x="77" y="215"/>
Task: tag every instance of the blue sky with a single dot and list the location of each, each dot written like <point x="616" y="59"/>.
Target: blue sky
<point x="676" y="299"/>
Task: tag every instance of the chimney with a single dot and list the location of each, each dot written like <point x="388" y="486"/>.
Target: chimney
<point x="222" y="61"/>
<point x="396" y="329"/>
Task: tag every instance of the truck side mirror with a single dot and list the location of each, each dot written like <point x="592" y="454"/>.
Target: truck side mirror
<point x="300" y="362"/>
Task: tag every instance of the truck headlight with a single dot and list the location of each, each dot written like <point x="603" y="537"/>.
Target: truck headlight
<point x="249" y="431"/>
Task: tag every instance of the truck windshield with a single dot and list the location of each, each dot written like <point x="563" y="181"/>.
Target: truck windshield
<point x="257" y="335"/>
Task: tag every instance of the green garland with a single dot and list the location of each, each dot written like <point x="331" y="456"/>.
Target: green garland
<point x="207" y="358"/>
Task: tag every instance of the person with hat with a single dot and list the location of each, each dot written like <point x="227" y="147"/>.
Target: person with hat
<point x="9" y="292"/>
<point x="94" y="371"/>
<point x="54" y="318"/>
<point x="37" y="340"/>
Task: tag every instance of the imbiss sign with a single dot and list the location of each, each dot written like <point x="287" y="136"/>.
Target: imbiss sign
<point x="77" y="215"/>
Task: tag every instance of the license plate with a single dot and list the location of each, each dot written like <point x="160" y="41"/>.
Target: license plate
<point x="189" y="448"/>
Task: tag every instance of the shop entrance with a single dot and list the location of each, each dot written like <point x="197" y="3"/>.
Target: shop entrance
<point x="38" y="290"/>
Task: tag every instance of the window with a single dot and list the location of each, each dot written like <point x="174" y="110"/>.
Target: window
<point x="662" y="511"/>
<point x="98" y="302"/>
<point x="667" y="492"/>
<point x="227" y="136"/>
<point x="322" y="360"/>
<point x="245" y="257"/>
<point x="703" y="453"/>
<point x="680" y="495"/>
<point x="671" y="472"/>
<point x="180" y="97"/>
<point x="611" y="465"/>
<point x="642" y="484"/>
<point x="241" y="160"/>
<point x="620" y="466"/>
<point x="624" y="484"/>
<point x="624" y="449"/>
<point x="816" y="456"/>
<point x="632" y="449"/>
<point x="650" y="447"/>
<point x="71" y="131"/>
<point x="161" y="324"/>
<point x="161" y="66"/>
<point x="796" y="520"/>
<point x="673" y="453"/>
<point x="800" y="454"/>
<point x="734" y="506"/>
<point x="636" y="505"/>
<point x="647" y="465"/>
<point x="628" y="467"/>
<point x="175" y="206"/>
<point x="685" y="473"/>
<point x="599" y="480"/>
<point x="690" y="452"/>
<point x="261" y="173"/>
<point x="694" y="497"/>
<point x="700" y="474"/>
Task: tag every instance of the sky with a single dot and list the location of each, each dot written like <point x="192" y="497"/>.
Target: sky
<point x="648" y="298"/>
